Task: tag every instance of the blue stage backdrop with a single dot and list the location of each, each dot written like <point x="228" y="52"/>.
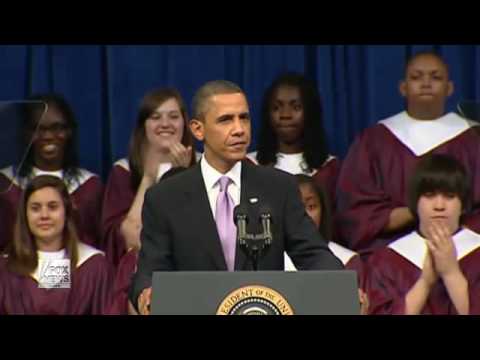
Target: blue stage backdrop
<point x="104" y="84"/>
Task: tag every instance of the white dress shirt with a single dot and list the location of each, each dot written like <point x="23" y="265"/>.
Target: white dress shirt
<point x="211" y="177"/>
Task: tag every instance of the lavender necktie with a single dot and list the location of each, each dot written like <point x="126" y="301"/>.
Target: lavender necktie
<point x="224" y="219"/>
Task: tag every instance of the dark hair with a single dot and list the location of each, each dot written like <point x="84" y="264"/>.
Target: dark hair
<point x="70" y="159"/>
<point x="438" y="173"/>
<point x="149" y="104"/>
<point x="325" y="226"/>
<point x="209" y="89"/>
<point x="22" y="251"/>
<point x="315" y="149"/>
<point x="417" y="55"/>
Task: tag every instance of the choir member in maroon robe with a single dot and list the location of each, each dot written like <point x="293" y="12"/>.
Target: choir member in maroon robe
<point x="291" y="136"/>
<point x="160" y="141"/>
<point x="315" y="199"/>
<point x="53" y="152"/>
<point x="372" y="186"/>
<point x="436" y="268"/>
<point x="127" y="268"/>
<point x="46" y="269"/>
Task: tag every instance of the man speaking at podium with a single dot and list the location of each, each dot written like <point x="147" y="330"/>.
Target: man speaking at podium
<point x="188" y="222"/>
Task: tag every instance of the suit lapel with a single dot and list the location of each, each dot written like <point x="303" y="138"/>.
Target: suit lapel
<point x="205" y="229"/>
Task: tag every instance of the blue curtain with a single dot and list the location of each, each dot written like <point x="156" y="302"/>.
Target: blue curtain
<point x="104" y="84"/>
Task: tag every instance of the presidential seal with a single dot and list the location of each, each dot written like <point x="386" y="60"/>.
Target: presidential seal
<point x="254" y="300"/>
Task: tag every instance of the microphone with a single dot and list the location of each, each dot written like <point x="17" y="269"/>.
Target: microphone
<point x="240" y="218"/>
<point x="266" y="220"/>
<point x="254" y="245"/>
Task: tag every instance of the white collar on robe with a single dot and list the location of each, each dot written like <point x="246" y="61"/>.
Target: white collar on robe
<point x="162" y="168"/>
<point x="422" y="136"/>
<point x="338" y="250"/>
<point x="253" y="157"/>
<point x="413" y="248"/>
<point x="341" y="252"/>
<point x="85" y="252"/>
<point x="288" y="263"/>
<point x="83" y="176"/>
<point x="291" y="163"/>
<point x="123" y="163"/>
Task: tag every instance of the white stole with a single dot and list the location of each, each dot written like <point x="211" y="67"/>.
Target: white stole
<point x="83" y="176"/>
<point x="422" y="136"/>
<point x="85" y="252"/>
<point x="413" y="247"/>
<point x="339" y="251"/>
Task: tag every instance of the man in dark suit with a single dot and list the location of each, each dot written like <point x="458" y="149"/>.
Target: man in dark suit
<point x="188" y="219"/>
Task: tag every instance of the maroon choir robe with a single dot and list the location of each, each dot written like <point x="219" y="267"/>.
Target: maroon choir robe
<point x="375" y="174"/>
<point x="123" y="279"/>
<point x="90" y="292"/>
<point x="86" y="193"/>
<point x="350" y="260"/>
<point x="393" y="271"/>
<point x="118" y="199"/>
<point x="325" y="176"/>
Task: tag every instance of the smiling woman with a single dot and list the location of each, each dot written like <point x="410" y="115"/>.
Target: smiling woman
<point x="47" y="270"/>
<point x="50" y="140"/>
<point x="160" y="141"/>
<point x="46" y="218"/>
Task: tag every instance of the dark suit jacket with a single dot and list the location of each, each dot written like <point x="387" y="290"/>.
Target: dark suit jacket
<point x="179" y="231"/>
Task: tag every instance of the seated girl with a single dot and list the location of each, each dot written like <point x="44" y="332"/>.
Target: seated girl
<point x="46" y="269"/>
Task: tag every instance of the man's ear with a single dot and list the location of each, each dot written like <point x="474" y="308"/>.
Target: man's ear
<point x="402" y="87"/>
<point x="196" y="127"/>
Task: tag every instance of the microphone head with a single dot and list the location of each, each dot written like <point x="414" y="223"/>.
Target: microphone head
<point x="240" y="210"/>
<point x="265" y="210"/>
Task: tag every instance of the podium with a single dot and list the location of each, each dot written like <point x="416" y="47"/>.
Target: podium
<point x="255" y="293"/>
